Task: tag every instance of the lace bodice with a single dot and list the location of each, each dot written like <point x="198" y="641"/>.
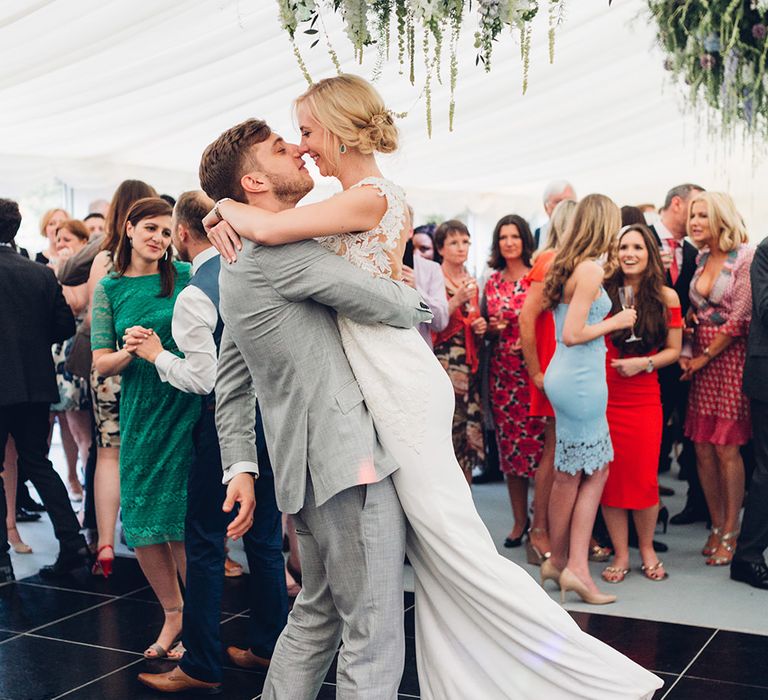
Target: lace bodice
<point x="373" y="251"/>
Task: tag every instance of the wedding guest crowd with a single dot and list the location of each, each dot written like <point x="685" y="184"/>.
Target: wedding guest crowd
<point x="575" y="336"/>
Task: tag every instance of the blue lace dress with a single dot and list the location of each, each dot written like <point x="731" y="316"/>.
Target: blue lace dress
<point x="576" y="387"/>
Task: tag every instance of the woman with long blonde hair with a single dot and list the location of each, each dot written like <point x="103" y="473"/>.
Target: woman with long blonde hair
<point x="718" y="418"/>
<point x="575" y="383"/>
<point x="484" y="628"/>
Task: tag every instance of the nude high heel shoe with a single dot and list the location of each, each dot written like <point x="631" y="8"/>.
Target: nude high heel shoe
<point x="570" y="582"/>
<point x="549" y="572"/>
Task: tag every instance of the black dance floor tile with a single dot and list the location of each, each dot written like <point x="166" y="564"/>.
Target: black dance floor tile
<point x="234" y="600"/>
<point x="410" y="622"/>
<point x="124" y="624"/>
<point x="707" y="689"/>
<point x="734" y="657"/>
<point x="39" y="669"/>
<point x="669" y="679"/>
<point x="238" y="685"/>
<point x="126" y="577"/>
<point x="657" y="646"/>
<point x="23" y="607"/>
<point x="5" y="634"/>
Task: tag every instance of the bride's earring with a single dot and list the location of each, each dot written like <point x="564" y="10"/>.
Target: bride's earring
<point x="342" y="149"/>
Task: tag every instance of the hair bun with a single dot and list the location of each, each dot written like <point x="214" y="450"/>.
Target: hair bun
<point x="380" y="134"/>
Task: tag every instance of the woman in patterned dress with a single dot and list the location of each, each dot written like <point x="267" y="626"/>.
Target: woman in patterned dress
<point x="156" y="420"/>
<point x="718" y="420"/>
<point x="74" y="405"/>
<point x="519" y="436"/>
<point x="457" y="346"/>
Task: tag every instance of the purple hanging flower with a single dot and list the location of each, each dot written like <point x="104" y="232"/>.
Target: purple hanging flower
<point x="759" y="31"/>
<point x="669" y="64"/>
<point x="707" y="61"/>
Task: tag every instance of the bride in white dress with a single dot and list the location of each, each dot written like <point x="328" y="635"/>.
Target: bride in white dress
<point x="485" y="630"/>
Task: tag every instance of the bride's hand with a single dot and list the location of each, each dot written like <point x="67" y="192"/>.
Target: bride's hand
<point x="225" y="239"/>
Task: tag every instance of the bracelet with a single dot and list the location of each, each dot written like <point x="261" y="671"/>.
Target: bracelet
<point x="216" y="207"/>
<point x="706" y="353"/>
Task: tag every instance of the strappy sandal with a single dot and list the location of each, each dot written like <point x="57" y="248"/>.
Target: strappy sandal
<point x="620" y="574"/>
<point x="712" y="542"/>
<point x="648" y="571"/>
<point x="174" y="651"/>
<point x="730" y="548"/>
<point x="598" y="553"/>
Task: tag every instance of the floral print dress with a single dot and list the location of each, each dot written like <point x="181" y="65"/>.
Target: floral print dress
<point x="520" y="437"/>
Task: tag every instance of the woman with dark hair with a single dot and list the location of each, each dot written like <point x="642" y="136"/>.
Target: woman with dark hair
<point x="106" y="390"/>
<point x="519" y="437"/>
<point x="156" y="419"/>
<point x="457" y="346"/>
<point x="634" y="402"/>
<point x="423" y="243"/>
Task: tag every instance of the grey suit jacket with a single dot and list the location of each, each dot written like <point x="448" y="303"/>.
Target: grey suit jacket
<point x="281" y="339"/>
<point x="756" y="365"/>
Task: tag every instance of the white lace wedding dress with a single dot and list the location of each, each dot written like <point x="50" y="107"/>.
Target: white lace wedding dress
<point x="485" y="630"/>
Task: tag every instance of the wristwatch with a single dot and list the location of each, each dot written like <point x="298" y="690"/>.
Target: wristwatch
<point x="649" y="366"/>
<point x="216" y="207"/>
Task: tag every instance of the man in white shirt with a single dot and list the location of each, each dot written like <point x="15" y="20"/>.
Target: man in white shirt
<point x="679" y="256"/>
<point x="197" y="329"/>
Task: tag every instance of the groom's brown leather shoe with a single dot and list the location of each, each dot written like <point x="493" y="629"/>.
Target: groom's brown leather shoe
<point x="245" y="658"/>
<point x="177" y="681"/>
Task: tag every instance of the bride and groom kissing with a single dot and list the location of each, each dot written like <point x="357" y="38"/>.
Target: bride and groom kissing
<point x="357" y="415"/>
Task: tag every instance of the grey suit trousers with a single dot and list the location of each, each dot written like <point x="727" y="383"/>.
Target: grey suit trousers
<point x="352" y="550"/>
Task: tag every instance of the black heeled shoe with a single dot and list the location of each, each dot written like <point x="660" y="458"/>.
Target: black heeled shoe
<point x="663" y="518"/>
<point x="510" y="543"/>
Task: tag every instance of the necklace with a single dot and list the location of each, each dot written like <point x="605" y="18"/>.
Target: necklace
<point x="453" y="281"/>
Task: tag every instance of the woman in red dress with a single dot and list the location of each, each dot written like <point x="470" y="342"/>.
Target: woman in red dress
<point x="634" y="399"/>
<point x="519" y="436"/>
<point x="537" y="337"/>
<point x="718" y="419"/>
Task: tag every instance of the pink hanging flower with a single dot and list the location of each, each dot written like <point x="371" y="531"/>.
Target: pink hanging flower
<point x="707" y="61"/>
<point x="759" y="31"/>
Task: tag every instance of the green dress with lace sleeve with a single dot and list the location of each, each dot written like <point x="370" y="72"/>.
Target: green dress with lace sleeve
<point x="156" y="420"/>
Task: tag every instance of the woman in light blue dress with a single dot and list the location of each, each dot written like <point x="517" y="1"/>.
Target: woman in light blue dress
<point x="576" y="387"/>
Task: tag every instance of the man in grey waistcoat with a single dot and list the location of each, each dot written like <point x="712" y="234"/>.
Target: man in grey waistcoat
<point x="281" y="342"/>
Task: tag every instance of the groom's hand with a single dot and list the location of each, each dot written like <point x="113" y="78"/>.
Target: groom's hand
<point x="240" y="490"/>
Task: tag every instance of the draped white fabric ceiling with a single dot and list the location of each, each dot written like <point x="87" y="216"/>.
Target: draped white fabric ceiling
<point x="94" y="91"/>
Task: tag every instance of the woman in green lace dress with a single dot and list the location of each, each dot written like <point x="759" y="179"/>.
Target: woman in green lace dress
<point x="156" y="420"/>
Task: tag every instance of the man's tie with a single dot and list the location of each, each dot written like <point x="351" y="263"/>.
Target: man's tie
<point x="674" y="270"/>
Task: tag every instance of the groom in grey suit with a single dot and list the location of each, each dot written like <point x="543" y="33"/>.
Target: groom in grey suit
<point x="281" y="340"/>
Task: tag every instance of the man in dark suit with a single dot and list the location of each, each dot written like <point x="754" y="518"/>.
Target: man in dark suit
<point x="680" y="259"/>
<point x="748" y="564"/>
<point x="33" y="316"/>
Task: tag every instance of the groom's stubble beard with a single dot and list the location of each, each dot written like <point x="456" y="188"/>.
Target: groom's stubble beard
<point x="290" y="190"/>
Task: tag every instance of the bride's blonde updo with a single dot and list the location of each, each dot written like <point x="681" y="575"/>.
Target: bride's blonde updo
<point x="351" y="109"/>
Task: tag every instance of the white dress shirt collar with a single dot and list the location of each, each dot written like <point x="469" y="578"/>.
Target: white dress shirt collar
<point x="202" y="258"/>
<point x="664" y="233"/>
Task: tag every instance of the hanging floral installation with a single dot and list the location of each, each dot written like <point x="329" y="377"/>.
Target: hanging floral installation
<point x="426" y="27"/>
<point x="719" y="49"/>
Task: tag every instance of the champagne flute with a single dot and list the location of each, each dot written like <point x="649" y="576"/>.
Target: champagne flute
<point x="627" y="301"/>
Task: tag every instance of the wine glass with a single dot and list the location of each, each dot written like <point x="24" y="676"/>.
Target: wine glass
<point x="627" y="301"/>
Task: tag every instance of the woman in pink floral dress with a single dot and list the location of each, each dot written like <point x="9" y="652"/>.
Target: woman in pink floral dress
<point x="520" y="437"/>
<point x="718" y="420"/>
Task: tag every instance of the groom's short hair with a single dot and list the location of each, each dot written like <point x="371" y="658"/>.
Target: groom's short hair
<point x="228" y="158"/>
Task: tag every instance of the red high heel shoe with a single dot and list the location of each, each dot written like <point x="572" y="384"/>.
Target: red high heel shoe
<point x="103" y="565"/>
